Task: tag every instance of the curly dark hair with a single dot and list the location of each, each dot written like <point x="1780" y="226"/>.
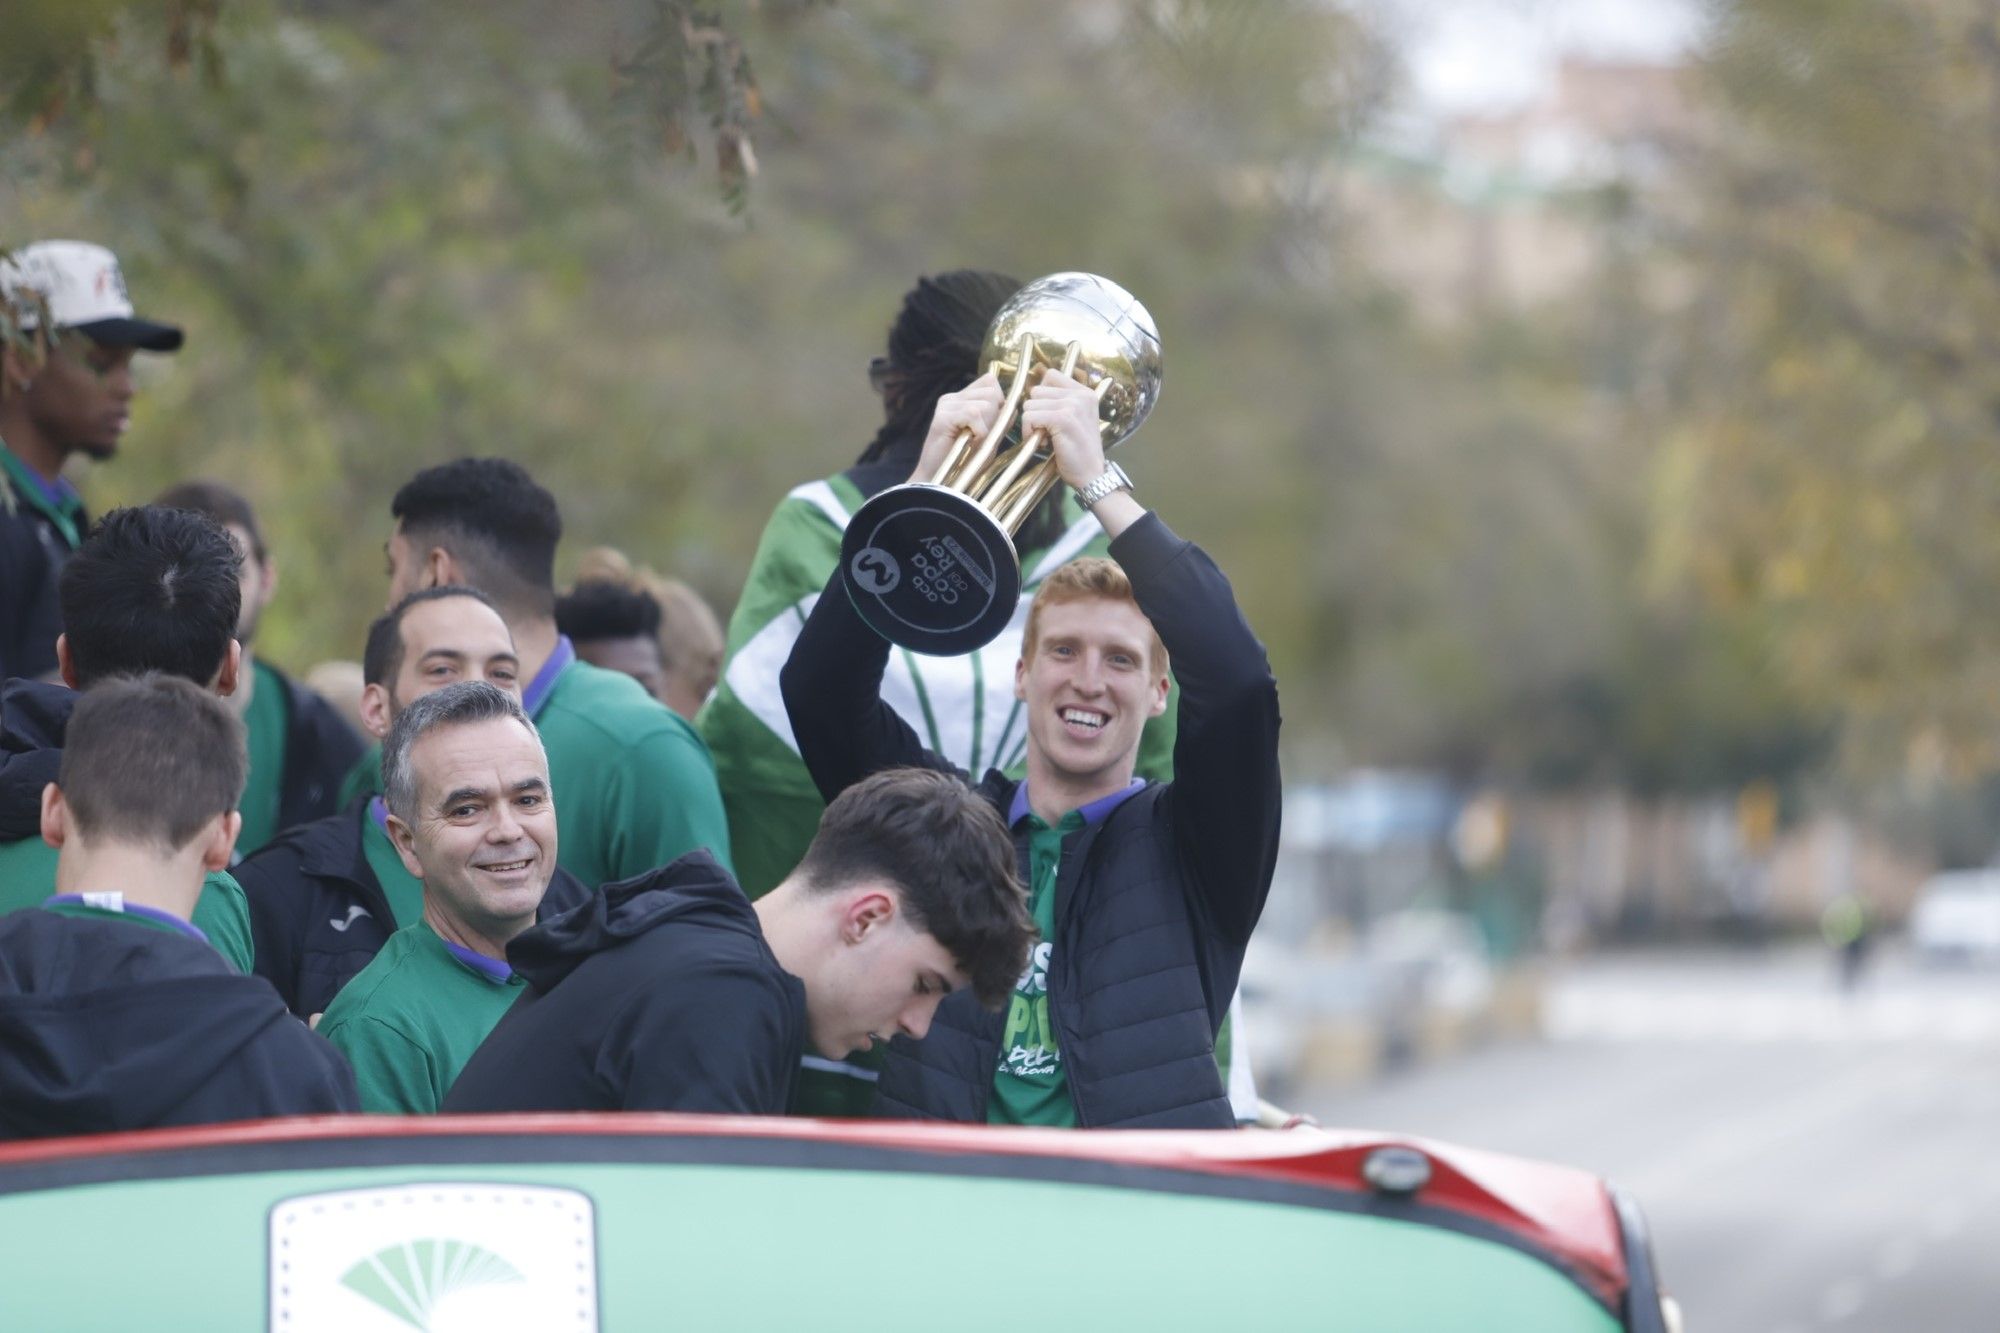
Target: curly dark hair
<point x="933" y="350"/>
<point x="602" y="609"/>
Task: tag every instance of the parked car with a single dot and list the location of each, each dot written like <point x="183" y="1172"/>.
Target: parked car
<point x="623" y="1222"/>
<point x="1956" y="917"/>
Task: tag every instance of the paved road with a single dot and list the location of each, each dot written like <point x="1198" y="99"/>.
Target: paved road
<point x="1808" y="1161"/>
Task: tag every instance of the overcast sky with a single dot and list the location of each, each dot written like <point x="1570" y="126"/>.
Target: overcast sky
<point x="1485" y="55"/>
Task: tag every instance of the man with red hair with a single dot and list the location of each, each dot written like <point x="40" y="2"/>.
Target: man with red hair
<point x="1145" y="894"/>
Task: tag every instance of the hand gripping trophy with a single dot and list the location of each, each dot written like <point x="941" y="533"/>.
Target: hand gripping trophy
<point x="931" y="566"/>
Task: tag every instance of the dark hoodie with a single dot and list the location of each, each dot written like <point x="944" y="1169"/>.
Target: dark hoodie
<point x="659" y="994"/>
<point x="108" y="1024"/>
<point x="34" y="717"/>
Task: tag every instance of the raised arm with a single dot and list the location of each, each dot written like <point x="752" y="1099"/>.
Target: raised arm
<point x="832" y="685"/>
<point x="1225" y="797"/>
<point x="832" y="682"/>
<point x="1227" y="791"/>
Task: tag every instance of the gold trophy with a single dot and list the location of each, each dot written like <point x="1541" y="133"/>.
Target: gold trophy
<point x="931" y="566"/>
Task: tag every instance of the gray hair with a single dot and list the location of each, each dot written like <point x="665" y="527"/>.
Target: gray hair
<point x="455" y="705"/>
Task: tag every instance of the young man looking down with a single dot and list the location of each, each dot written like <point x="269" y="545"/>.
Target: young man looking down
<point x="672" y="992"/>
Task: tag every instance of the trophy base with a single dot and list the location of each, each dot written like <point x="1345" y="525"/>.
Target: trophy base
<point x="929" y="570"/>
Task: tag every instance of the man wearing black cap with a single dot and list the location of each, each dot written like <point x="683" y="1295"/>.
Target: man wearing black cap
<point x="65" y="387"/>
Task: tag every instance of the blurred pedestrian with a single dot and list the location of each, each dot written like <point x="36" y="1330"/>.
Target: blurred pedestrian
<point x="67" y="339"/>
<point x="1847" y="929"/>
<point x="116" y="1013"/>
<point x="300" y="747"/>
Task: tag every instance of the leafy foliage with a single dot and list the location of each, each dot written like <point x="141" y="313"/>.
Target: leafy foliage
<point x="1828" y="459"/>
<point x="402" y="233"/>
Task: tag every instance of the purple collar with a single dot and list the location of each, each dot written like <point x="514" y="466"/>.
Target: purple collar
<point x="115" y="902"/>
<point x="492" y="969"/>
<point x="1092" y="813"/>
<point x="544" y="682"/>
<point x="378" y="810"/>
<point x="59" y="493"/>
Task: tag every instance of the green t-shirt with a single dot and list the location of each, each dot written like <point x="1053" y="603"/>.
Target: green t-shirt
<point x="634" y="784"/>
<point x="28" y="878"/>
<point x="1029" y="1085"/>
<point x="410" y="1020"/>
<point x="264" y="728"/>
<point x="404" y="891"/>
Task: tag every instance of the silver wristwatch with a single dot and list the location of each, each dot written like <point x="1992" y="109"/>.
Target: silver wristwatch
<point x="1112" y="479"/>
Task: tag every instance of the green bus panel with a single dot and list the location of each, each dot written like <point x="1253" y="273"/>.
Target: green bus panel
<point x="668" y="1246"/>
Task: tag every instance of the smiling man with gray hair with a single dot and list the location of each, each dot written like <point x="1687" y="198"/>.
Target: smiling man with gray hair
<point x="472" y="815"/>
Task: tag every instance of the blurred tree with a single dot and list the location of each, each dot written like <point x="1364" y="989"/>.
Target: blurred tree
<point x="398" y="234"/>
<point x="1829" y="436"/>
<point x="680" y="76"/>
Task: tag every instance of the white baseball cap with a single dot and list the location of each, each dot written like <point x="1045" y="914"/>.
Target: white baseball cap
<point x="84" y="290"/>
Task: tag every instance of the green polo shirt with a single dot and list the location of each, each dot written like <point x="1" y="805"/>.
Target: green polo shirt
<point x="264" y="726"/>
<point x="410" y="1020"/>
<point x="634" y="785"/>
<point x="28" y="878"/>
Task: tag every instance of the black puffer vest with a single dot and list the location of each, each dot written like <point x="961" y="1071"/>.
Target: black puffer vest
<point x="1138" y="985"/>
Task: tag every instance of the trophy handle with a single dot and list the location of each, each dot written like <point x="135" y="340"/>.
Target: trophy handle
<point x="961" y="470"/>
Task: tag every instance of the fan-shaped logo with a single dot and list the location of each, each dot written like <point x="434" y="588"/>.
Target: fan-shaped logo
<point x="408" y="1280"/>
<point x="437" y="1257"/>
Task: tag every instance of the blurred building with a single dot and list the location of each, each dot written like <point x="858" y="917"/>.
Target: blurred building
<point x="1471" y="214"/>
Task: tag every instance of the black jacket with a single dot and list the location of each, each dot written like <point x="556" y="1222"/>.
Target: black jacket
<point x="659" y="994"/>
<point x="319" y="749"/>
<point x="1154" y="905"/>
<point x="34" y="716"/>
<point x="318" y="914"/>
<point x="110" y="1025"/>
<point x="32" y="554"/>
